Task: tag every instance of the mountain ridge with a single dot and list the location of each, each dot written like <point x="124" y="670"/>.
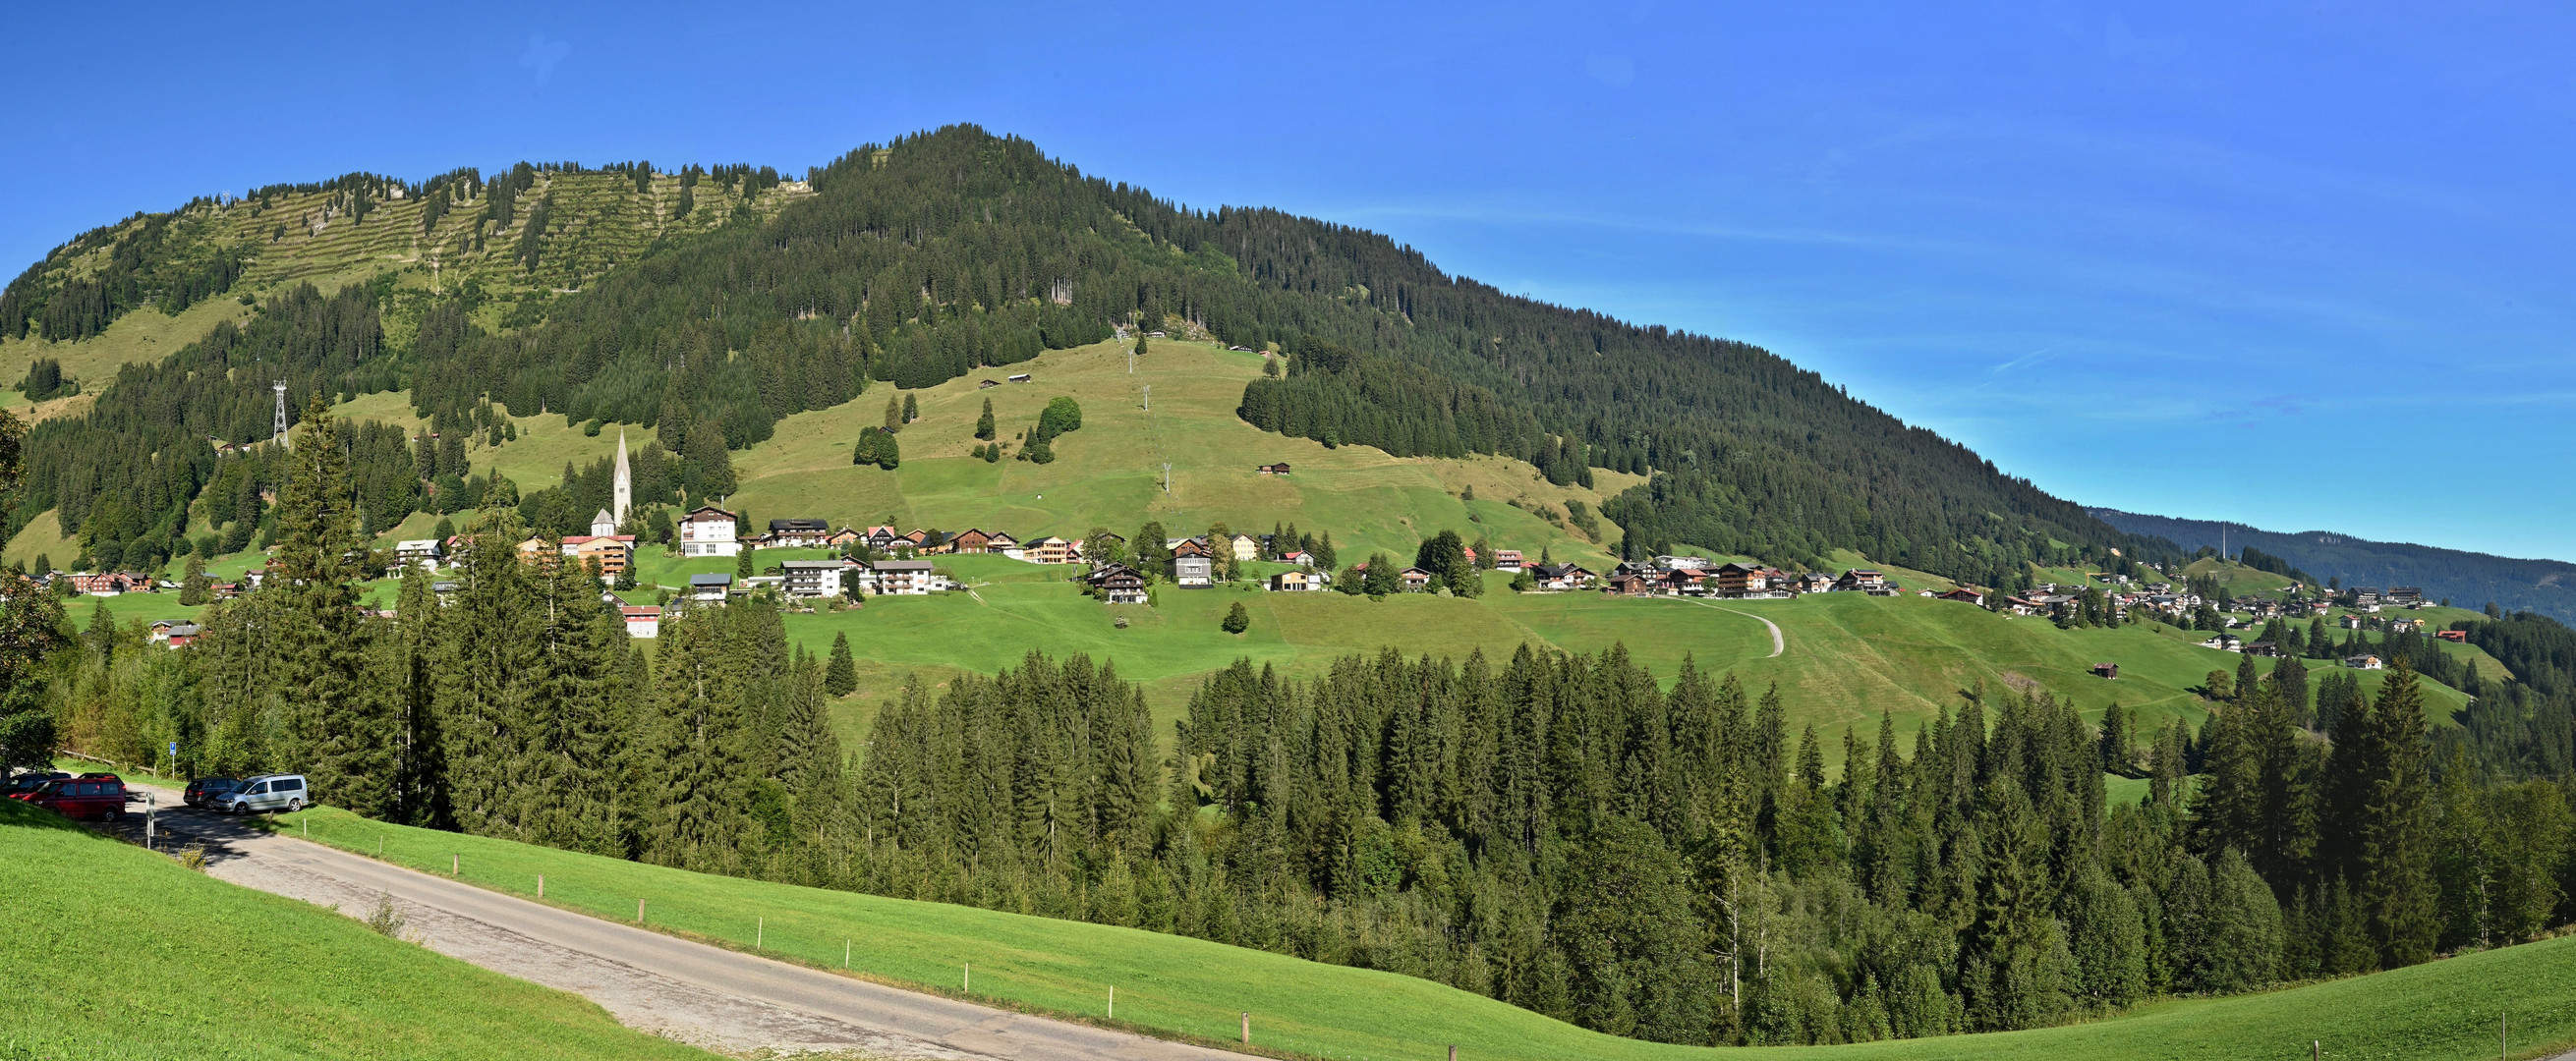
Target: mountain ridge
<point x="2472" y="578"/>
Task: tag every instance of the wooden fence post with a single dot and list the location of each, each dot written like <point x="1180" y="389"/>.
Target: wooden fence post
<point x="1247" y="1028"/>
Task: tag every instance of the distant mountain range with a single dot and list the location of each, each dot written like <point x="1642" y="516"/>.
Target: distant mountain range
<point x="2470" y="580"/>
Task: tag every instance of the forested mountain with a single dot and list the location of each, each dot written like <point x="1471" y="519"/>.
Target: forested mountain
<point x="2469" y="579"/>
<point x="921" y="260"/>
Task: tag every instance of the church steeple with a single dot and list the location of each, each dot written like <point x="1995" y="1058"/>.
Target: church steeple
<point x="622" y="496"/>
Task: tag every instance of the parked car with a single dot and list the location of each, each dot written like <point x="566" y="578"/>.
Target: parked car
<point x="284" y="792"/>
<point x="25" y="785"/>
<point x="88" y="796"/>
<point x="209" y="791"/>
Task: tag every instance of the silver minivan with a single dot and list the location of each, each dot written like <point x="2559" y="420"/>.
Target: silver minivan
<point x="268" y="792"/>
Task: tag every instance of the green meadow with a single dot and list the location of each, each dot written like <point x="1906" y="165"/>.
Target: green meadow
<point x="1849" y="659"/>
<point x="1194" y="988"/>
<point x="117" y="953"/>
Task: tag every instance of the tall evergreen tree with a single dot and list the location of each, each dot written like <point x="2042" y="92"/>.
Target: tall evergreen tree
<point x="341" y="723"/>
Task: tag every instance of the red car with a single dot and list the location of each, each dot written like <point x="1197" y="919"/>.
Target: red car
<point x="98" y="796"/>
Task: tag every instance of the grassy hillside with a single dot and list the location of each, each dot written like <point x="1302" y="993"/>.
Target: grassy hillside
<point x="598" y="222"/>
<point x="1192" y="987"/>
<point x="1848" y="658"/>
<point x="117" y="953"/>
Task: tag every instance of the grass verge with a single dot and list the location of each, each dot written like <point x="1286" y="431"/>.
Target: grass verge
<point x="1194" y="989"/>
<point x="118" y="953"/>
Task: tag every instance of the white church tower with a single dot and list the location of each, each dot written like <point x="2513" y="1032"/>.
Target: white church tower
<point x="622" y="495"/>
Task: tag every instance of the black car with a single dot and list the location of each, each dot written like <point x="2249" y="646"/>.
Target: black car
<point x="28" y="782"/>
<point x="209" y="791"/>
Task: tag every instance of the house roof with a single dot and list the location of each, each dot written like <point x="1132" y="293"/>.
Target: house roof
<point x="715" y="579"/>
<point x="707" y="514"/>
<point x="901" y="565"/>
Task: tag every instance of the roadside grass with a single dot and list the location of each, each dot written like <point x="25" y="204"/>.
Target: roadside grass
<point x="118" y="953"/>
<point x="1194" y="988"/>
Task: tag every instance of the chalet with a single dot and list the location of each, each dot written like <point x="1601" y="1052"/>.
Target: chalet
<point x="613" y="552"/>
<point x="1682" y="563"/>
<point x="987" y="384"/>
<point x="1685" y="582"/>
<point x="902" y="578"/>
<point x="708" y="531"/>
<point x="2410" y="596"/>
<point x="1245" y="547"/>
<point x="1632" y="584"/>
<point x="1415" y="580"/>
<point x="2106" y="670"/>
<point x="107" y="583"/>
<point x="2262" y="648"/>
<point x="2350" y="621"/>
<point x="1298" y="557"/>
<point x="227" y="590"/>
<point x="1742" y="580"/>
<point x="2225" y="643"/>
<point x="2364" y="663"/>
<point x="1020" y="378"/>
<point x="1280" y="468"/>
<point x="642" y="620"/>
<point x="1508" y="560"/>
<point x="1193" y="570"/>
<point x="161" y="630"/>
<point x="811" y="578"/>
<point x="1964" y="595"/>
<point x="1562" y="576"/>
<point x="1862" y="581"/>
<point x="970" y="540"/>
<point x="710" y="587"/>
<point x="1296" y="581"/>
<point x="2405" y="626"/>
<point x="799" y="533"/>
<point x="422" y="551"/>
<point x="1181" y="547"/>
<point x="183" y="635"/>
<point x="841" y="539"/>
<point x="1051" y="550"/>
<point x="1815" y="582"/>
<point x="1119" y="583"/>
<point x="2460" y="637"/>
<point x="998" y="542"/>
<point x="880" y="539"/>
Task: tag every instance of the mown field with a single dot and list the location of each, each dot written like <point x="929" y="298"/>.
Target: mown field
<point x="2443" y="1010"/>
<point x="117" y="953"/>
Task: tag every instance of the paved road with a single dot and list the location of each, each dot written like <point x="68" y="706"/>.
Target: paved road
<point x="689" y="991"/>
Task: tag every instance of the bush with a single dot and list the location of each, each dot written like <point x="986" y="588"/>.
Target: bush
<point x="1237" y="620"/>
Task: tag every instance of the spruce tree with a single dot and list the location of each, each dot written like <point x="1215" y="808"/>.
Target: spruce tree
<point x="340" y="717"/>
<point x="984" y="423"/>
<point x="893" y="414"/>
<point x="911" y="408"/>
<point x="842" y="677"/>
<point x="889" y="452"/>
<point x="1237" y="620"/>
<point x="2392" y="871"/>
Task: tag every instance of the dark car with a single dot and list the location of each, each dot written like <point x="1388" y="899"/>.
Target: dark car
<point x="25" y="785"/>
<point x="210" y="791"/>
<point x="100" y="796"/>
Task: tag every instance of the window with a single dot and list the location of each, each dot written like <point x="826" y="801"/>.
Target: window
<point x="292" y="784"/>
<point x="260" y="789"/>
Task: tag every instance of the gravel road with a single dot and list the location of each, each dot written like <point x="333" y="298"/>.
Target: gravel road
<point x="718" y="999"/>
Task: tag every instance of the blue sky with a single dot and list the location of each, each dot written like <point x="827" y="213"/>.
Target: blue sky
<point x="2307" y="266"/>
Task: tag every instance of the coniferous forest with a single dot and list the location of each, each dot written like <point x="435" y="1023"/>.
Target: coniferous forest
<point x="1568" y="833"/>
